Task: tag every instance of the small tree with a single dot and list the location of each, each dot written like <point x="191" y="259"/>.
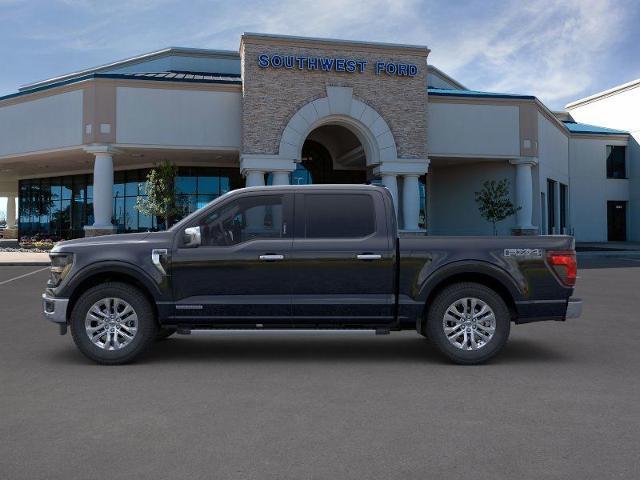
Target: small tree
<point x="494" y="202"/>
<point x="161" y="200"/>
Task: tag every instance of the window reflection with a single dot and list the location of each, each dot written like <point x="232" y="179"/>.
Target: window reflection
<point x="60" y="207"/>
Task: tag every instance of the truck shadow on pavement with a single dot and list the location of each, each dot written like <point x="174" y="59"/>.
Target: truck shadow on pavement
<point x="180" y="350"/>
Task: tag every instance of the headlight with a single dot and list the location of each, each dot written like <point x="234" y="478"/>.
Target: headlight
<point x="61" y="264"/>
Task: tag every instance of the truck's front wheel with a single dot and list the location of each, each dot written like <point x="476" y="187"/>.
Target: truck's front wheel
<point x="113" y="323"/>
<point x="468" y="322"/>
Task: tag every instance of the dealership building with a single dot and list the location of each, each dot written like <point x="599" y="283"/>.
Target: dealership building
<point x="75" y="150"/>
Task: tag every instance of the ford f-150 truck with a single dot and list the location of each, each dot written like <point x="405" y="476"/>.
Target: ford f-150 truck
<point x="313" y="258"/>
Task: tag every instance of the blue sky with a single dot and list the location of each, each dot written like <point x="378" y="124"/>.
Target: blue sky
<point x="557" y="50"/>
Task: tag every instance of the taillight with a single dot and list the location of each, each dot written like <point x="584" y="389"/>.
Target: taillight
<point x="564" y="265"/>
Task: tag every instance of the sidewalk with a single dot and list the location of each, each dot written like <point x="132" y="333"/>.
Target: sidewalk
<point x="23" y="258"/>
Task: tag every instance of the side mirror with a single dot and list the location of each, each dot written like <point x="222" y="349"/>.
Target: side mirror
<point x="192" y="237"/>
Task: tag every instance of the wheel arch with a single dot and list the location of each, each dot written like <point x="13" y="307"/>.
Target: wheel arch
<point x="112" y="272"/>
<point x="486" y="275"/>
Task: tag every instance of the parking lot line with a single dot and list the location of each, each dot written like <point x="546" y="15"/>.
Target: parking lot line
<point x="22" y="276"/>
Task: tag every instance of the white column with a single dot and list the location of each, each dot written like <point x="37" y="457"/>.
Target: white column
<point x="410" y="170"/>
<point x="280" y="178"/>
<point x="102" y="190"/>
<point x="410" y="202"/>
<point x="389" y="180"/>
<point x="255" y="216"/>
<point x="254" y="166"/>
<point x="524" y="192"/>
<point x="11" y="212"/>
<point x="254" y="178"/>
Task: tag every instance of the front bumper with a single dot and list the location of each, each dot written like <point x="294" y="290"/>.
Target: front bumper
<point x="574" y="308"/>
<point x="54" y="309"/>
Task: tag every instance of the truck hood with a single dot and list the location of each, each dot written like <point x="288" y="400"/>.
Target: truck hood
<point x="111" y="240"/>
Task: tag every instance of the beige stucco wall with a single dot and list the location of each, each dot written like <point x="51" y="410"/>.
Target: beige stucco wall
<point x="271" y="96"/>
<point x="467" y="129"/>
<point x="54" y="121"/>
<point x="620" y="111"/>
<point x="590" y="189"/>
<point x="451" y="197"/>
<point x="178" y="117"/>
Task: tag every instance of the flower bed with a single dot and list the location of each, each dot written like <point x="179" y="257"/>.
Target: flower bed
<point x="35" y="244"/>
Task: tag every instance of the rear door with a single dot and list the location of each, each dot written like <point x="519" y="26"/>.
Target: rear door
<point x="342" y="259"/>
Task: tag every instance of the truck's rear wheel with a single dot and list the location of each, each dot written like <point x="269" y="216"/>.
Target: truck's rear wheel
<point x="468" y="322"/>
<point x="113" y="323"/>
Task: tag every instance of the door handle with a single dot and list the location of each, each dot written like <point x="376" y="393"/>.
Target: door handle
<point x="369" y="256"/>
<point x="270" y="257"/>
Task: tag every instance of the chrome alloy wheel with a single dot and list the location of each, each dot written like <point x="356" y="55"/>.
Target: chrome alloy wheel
<point x="469" y="323"/>
<point x="111" y="323"/>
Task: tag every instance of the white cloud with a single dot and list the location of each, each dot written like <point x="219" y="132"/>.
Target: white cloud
<point x="545" y="48"/>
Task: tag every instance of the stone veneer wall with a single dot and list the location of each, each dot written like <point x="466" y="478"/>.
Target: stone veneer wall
<point x="271" y="96"/>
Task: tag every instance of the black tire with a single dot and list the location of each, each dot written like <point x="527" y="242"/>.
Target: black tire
<point x="164" y="333"/>
<point x="436" y="330"/>
<point x="147" y="327"/>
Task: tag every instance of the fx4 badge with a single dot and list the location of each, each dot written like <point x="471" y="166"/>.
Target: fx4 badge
<point x="522" y="252"/>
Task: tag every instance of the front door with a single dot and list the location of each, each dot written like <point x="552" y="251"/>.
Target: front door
<point x="342" y="266"/>
<point x="617" y="221"/>
<point x="241" y="271"/>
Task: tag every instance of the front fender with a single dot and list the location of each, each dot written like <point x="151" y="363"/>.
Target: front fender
<point x="156" y="284"/>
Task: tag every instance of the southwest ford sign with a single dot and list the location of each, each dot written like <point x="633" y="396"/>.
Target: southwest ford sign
<point x="333" y="64"/>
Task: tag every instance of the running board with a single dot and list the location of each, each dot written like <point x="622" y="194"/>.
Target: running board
<point x="282" y="331"/>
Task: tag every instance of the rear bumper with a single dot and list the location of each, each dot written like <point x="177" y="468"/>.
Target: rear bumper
<point x="54" y="309"/>
<point x="574" y="308"/>
<point x="541" y="310"/>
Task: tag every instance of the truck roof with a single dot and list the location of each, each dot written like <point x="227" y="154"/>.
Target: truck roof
<point x="337" y="186"/>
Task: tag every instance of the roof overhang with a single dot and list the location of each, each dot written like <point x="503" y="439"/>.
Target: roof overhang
<point x="228" y="82"/>
<point x="605" y="93"/>
<point x="470" y="96"/>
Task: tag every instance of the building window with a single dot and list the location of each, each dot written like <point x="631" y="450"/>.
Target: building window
<point x="564" y="207"/>
<point x="60" y="207"/>
<point x="422" y="222"/>
<point x="616" y="161"/>
<point x="551" y="206"/>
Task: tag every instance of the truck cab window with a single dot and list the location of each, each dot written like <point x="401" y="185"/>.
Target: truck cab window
<point x="248" y="218"/>
<point x="339" y="216"/>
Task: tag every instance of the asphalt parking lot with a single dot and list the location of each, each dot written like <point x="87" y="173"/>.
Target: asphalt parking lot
<point x="562" y="401"/>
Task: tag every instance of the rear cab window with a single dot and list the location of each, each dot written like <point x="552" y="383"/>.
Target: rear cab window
<point x="338" y="215"/>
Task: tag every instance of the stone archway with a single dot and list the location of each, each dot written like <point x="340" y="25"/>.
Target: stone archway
<point x="340" y="108"/>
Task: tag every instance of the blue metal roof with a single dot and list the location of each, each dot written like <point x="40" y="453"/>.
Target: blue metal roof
<point x="585" y="128"/>
<point x="445" y="92"/>
<point x="188" y="77"/>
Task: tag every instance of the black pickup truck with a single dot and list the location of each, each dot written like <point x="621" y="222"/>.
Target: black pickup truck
<point x="312" y="258"/>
